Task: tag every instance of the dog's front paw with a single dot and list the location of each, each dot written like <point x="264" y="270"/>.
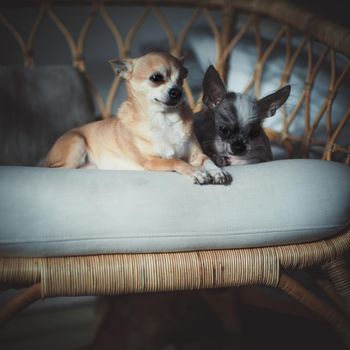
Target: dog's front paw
<point x="201" y="177"/>
<point x="220" y="176"/>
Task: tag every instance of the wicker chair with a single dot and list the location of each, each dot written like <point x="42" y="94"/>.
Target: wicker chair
<point x="112" y="274"/>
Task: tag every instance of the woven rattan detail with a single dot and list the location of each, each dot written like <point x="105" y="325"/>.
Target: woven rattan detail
<point x="340" y="276"/>
<point x="20" y="271"/>
<point x="138" y="273"/>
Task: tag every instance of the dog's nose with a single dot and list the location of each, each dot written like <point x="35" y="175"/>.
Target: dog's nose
<point x="238" y="148"/>
<point x="175" y="94"/>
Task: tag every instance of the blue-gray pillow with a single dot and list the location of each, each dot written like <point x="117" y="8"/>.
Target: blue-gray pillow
<point x="36" y="107"/>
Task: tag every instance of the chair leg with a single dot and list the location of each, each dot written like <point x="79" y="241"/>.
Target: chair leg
<point x="18" y="303"/>
<point x="339" y="274"/>
<point x="328" y="288"/>
<point x="318" y="306"/>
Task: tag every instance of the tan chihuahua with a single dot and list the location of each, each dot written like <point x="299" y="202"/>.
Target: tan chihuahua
<point x="152" y="131"/>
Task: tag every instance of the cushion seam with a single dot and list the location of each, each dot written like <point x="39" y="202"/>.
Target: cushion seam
<point x="191" y="234"/>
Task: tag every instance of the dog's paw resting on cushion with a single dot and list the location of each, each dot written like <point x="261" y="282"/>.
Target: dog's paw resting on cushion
<point x="230" y="130"/>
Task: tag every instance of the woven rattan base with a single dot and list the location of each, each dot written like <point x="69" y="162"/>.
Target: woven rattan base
<point x="138" y="273"/>
<point x="156" y="272"/>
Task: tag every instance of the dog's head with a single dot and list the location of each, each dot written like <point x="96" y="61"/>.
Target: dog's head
<point x="238" y="117"/>
<point x="155" y="78"/>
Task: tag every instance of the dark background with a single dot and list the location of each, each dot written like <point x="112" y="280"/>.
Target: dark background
<point x="333" y="10"/>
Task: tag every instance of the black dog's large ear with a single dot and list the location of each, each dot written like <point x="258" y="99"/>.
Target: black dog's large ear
<point x="122" y="67"/>
<point x="214" y="89"/>
<point x="268" y="105"/>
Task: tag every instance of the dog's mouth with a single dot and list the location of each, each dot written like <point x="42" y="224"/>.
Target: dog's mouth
<point x="170" y="104"/>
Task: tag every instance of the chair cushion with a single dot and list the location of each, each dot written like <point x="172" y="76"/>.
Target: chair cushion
<point x="60" y="212"/>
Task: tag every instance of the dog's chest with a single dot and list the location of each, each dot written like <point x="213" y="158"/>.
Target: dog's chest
<point x="169" y="135"/>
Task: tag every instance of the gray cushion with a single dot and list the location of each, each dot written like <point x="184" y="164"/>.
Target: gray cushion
<point x="36" y="107"/>
<point x="53" y="212"/>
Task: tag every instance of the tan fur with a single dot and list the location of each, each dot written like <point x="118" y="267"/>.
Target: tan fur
<point x="145" y="135"/>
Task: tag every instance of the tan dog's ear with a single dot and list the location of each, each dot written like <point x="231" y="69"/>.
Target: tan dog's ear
<point x="184" y="70"/>
<point x="122" y="67"/>
<point x="181" y="59"/>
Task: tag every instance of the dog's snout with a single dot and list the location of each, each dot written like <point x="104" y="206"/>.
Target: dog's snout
<point x="175" y="94"/>
<point x="238" y="147"/>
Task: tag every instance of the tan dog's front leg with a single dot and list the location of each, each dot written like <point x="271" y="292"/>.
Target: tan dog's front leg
<point x="199" y="176"/>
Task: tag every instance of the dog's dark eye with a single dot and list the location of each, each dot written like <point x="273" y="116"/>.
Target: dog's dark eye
<point x="224" y="131"/>
<point x="157" y="78"/>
